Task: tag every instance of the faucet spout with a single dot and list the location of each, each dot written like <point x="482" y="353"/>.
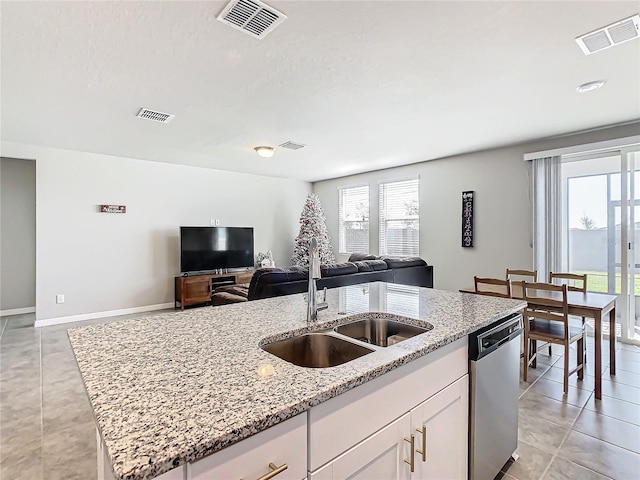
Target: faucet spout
<point x="314" y="273"/>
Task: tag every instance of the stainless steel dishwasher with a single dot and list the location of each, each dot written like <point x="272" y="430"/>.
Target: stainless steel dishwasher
<point x="494" y="366"/>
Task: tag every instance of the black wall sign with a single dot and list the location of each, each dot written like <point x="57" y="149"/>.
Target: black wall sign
<point x="467" y="219"/>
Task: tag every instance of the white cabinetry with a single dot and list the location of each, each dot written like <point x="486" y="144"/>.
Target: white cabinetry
<point x="439" y="430"/>
<point x="361" y="433"/>
<point x="283" y="444"/>
<point x="381" y="456"/>
<point x="440" y="427"/>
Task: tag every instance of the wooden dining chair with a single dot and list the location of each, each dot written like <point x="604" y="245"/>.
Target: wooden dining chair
<point x="547" y="319"/>
<point x="531" y="275"/>
<point x="495" y="287"/>
<point x="575" y="283"/>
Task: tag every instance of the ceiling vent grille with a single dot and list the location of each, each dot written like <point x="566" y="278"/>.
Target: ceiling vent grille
<point x="155" y="116"/>
<point x="251" y="16"/>
<point x="292" y="145"/>
<point x="609" y="36"/>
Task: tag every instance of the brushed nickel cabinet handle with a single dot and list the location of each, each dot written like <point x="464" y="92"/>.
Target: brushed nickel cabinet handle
<point x="274" y="471"/>
<point x="423" y="452"/>
<point x="411" y="462"/>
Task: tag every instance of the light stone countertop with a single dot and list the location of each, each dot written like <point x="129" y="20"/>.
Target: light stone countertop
<point x="176" y="387"/>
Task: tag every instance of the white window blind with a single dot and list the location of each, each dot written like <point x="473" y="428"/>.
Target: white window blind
<point x="354" y="219"/>
<point x="399" y="218"/>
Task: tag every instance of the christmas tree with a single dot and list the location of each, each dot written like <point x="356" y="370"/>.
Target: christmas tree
<point x="312" y="224"/>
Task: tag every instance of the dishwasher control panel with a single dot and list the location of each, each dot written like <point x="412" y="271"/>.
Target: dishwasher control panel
<point x="492" y="336"/>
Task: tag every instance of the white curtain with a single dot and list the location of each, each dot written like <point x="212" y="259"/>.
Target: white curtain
<point x="547" y="216"/>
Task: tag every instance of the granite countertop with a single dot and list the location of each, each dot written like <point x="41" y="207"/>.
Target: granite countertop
<point x="176" y="387"/>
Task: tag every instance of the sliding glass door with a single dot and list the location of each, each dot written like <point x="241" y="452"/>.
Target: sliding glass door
<point x="600" y="222"/>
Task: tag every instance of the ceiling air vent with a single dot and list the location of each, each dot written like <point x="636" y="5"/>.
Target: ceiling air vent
<point x="155" y="116"/>
<point x="251" y="16"/>
<point x="292" y="145"/>
<point x="609" y="36"/>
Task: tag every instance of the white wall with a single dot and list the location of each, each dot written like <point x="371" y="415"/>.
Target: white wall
<point x="103" y="262"/>
<point x="502" y="210"/>
<point x="17" y="235"/>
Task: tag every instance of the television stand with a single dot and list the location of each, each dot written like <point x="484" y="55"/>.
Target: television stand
<point x="197" y="289"/>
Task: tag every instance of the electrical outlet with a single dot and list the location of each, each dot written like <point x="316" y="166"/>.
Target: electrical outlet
<point x="214" y="222"/>
<point x="59" y="298"/>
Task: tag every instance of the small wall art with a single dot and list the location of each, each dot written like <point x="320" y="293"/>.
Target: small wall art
<point x="467" y="219"/>
<point x="113" y="209"/>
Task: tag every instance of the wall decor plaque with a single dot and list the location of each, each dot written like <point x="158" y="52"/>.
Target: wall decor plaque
<point x="467" y="219"/>
<point x="113" y="208"/>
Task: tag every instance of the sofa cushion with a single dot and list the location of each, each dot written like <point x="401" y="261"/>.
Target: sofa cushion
<point x="377" y="265"/>
<point x="304" y="271"/>
<point x="224" y="298"/>
<point x="370" y="265"/>
<point x="338" y="269"/>
<point x="403" y="262"/>
<point x="279" y="275"/>
<point x="233" y="289"/>
<point x="358" y="257"/>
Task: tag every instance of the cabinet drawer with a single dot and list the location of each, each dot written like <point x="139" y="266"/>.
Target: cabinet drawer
<point x="285" y="443"/>
<point x="340" y="423"/>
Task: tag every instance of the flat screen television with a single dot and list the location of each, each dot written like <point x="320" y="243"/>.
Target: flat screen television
<point x="211" y="248"/>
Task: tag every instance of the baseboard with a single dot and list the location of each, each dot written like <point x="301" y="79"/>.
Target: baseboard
<point x="47" y="322"/>
<point x="17" y="311"/>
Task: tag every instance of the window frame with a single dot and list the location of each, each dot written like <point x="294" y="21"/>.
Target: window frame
<point x="342" y="239"/>
<point x="384" y="217"/>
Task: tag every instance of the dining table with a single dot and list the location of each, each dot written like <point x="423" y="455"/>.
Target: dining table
<point x="588" y="304"/>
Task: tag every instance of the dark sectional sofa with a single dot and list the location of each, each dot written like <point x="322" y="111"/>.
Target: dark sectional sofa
<point x="361" y="268"/>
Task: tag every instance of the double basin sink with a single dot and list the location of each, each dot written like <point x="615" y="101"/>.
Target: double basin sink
<point x="344" y="343"/>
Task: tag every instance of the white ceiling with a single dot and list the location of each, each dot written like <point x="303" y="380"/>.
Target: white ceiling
<point x="366" y="85"/>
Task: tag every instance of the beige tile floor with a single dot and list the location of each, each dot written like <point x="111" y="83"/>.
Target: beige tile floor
<point x="47" y="429"/>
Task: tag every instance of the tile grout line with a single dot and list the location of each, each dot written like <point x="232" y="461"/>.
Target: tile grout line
<point x="571" y="429"/>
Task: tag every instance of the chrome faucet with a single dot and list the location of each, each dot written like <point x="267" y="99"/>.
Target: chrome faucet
<point x="313" y="307"/>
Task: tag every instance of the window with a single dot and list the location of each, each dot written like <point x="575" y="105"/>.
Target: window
<point x="399" y="218"/>
<point x="354" y="219"/>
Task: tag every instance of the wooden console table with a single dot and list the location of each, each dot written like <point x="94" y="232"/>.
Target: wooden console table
<point x="196" y="289"/>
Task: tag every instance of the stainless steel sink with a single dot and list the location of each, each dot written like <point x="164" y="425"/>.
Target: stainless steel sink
<point x="316" y="350"/>
<point x="380" y="331"/>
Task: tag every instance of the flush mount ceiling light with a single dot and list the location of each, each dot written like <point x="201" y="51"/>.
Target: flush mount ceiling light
<point x="264" y="151"/>
<point x="587" y="87"/>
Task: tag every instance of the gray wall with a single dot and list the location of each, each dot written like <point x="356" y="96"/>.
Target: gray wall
<point x="104" y="262"/>
<point x="17" y="234"/>
<point x="501" y="180"/>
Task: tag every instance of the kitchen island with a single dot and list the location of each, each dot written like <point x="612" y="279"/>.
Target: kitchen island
<point x="183" y="395"/>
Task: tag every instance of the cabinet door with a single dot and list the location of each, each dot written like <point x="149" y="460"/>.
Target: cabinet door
<point x="379" y="457"/>
<point x="285" y="443"/>
<point x="197" y="289"/>
<point x="440" y="426"/>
